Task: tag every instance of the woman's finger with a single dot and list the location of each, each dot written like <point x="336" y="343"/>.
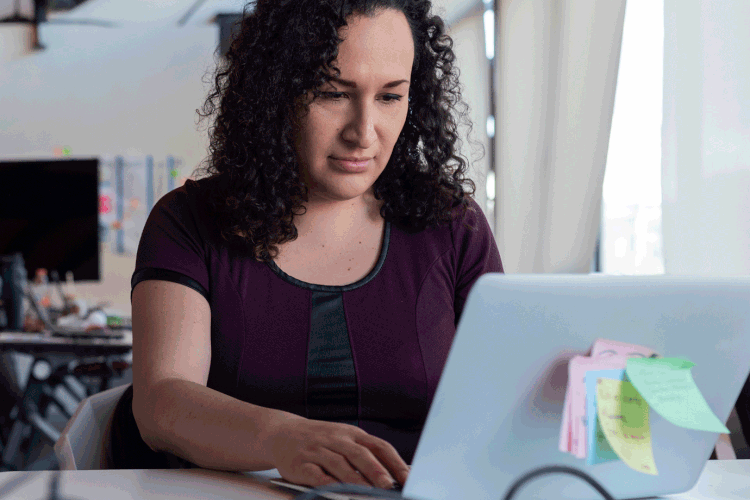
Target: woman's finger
<point x="387" y="455"/>
<point x="339" y="467"/>
<point x="310" y="474"/>
<point x="367" y="464"/>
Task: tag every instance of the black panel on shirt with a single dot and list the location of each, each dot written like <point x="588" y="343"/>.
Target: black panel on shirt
<point x="331" y="379"/>
<point x="152" y="273"/>
<point x="332" y="391"/>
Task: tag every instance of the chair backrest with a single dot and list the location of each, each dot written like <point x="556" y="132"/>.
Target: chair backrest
<point x="83" y="442"/>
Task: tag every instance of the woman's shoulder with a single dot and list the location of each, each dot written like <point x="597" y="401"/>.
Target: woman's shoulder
<point x="469" y="228"/>
<point x="469" y="216"/>
<point x="465" y="243"/>
<point x="185" y="208"/>
<point x="190" y="198"/>
<point x="192" y="193"/>
<point x="466" y="224"/>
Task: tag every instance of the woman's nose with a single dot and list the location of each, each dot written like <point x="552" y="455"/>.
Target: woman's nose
<point x="360" y="129"/>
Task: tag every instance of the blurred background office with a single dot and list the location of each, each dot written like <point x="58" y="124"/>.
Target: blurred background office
<point x="607" y="136"/>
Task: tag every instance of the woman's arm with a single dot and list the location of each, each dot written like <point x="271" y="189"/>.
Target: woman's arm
<point x="176" y="412"/>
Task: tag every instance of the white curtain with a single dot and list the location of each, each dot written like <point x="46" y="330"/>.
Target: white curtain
<point x="15" y="38"/>
<point x="471" y="59"/>
<point x="556" y="71"/>
<point x="13" y="8"/>
<point x="706" y="137"/>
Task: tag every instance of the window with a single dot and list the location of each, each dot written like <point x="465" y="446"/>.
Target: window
<point x="631" y="236"/>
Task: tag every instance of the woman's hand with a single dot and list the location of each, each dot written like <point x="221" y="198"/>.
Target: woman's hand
<point x="314" y="453"/>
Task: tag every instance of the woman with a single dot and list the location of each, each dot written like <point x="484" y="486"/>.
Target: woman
<point x="294" y="309"/>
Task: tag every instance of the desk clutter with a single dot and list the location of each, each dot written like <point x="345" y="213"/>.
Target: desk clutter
<point x="29" y="306"/>
<point x="76" y="350"/>
<point x="609" y="397"/>
<point x="71" y="316"/>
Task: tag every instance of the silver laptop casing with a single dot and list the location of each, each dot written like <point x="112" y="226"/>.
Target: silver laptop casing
<point x="497" y="411"/>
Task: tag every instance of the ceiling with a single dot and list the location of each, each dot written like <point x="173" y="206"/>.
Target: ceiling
<point x="127" y="11"/>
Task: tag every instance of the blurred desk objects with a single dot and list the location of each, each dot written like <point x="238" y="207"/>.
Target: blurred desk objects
<point x="720" y="480"/>
<point x="55" y="360"/>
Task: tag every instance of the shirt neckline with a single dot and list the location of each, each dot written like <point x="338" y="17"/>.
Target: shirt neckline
<point x="339" y="288"/>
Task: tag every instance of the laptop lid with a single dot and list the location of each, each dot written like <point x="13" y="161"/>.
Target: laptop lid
<point x="497" y="411"/>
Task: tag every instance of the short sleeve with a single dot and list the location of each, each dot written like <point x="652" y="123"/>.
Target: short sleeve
<point x="476" y="252"/>
<point x="172" y="247"/>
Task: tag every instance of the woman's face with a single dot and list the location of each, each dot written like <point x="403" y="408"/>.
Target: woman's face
<point x="361" y="114"/>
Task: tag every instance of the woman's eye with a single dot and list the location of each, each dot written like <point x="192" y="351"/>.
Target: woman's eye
<point x="390" y="98"/>
<point x="333" y="95"/>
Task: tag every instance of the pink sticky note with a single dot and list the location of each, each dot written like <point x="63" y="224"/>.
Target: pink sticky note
<point x="605" y="348"/>
<point x="564" y="444"/>
<point x="577" y="368"/>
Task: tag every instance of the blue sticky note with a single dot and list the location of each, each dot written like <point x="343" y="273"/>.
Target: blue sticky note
<point x="599" y="450"/>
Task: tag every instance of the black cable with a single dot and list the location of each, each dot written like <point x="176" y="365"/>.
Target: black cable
<point x="54" y="488"/>
<point x="354" y="489"/>
<point x="350" y="489"/>
<point x="555" y="469"/>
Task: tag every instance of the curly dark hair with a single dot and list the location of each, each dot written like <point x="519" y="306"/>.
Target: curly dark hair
<point x="287" y="48"/>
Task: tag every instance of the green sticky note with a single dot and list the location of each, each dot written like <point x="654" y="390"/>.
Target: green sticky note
<point x="668" y="387"/>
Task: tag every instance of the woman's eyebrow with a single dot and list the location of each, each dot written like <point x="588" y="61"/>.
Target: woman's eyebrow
<point x="347" y="83"/>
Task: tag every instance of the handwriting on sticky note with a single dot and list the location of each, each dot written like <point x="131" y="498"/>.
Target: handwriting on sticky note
<point x="599" y="449"/>
<point x="577" y="368"/>
<point x="623" y="416"/>
<point x="667" y="385"/>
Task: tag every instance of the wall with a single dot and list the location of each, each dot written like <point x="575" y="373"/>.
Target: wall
<point x="130" y="90"/>
<point x="706" y="138"/>
<point x="100" y="91"/>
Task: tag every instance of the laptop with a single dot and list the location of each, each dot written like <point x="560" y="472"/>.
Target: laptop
<point x="497" y="411"/>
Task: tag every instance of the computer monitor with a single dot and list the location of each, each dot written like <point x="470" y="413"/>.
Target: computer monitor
<point x="49" y="213"/>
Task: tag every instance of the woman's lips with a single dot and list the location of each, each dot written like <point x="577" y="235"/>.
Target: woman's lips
<point x="351" y="166"/>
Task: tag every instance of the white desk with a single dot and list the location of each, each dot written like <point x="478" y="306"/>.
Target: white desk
<point x="721" y="480"/>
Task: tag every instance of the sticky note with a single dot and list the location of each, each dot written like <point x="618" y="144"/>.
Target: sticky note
<point x="623" y="415"/>
<point x="603" y="348"/>
<point x="605" y="354"/>
<point x="599" y="449"/>
<point x="576" y="403"/>
<point x="667" y="385"/>
<point x="564" y="442"/>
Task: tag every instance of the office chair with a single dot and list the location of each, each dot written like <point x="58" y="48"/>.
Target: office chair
<point x="83" y="442"/>
<point x="27" y="423"/>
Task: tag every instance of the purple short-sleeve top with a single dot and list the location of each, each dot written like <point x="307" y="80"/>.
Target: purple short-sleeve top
<point x="369" y="353"/>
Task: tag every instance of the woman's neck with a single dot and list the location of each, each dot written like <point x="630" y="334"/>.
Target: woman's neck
<point x="332" y="221"/>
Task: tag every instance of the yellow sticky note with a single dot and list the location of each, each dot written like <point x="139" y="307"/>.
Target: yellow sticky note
<point x="623" y="416"/>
